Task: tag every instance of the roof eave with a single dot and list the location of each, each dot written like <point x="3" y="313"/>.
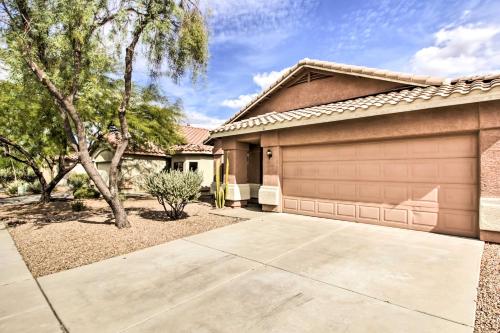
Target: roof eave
<point x="434" y="102"/>
<point x="300" y="66"/>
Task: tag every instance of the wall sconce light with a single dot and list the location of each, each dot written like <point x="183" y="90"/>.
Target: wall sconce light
<point x="269" y="153"/>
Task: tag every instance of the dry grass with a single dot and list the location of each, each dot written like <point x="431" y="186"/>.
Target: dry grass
<point x="488" y="298"/>
<point x="52" y="238"/>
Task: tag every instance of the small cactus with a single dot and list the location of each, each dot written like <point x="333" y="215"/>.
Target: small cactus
<point x="220" y="189"/>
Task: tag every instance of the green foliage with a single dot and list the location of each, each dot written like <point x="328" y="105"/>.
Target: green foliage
<point x="86" y="193"/>
<point x="220" y="189"/>
<point x="80" y="184"/>
<point x="17" y="187"/>
<point x="175" y="189"/>
<point x="35" y="187"/>
<point x="6" y="177"/>
<point x="78" y="206"/>
<point x="78" y="180"/>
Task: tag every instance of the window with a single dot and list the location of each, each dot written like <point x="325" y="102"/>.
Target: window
<point x="193" y="166"/>
<point x="179" y="166"/>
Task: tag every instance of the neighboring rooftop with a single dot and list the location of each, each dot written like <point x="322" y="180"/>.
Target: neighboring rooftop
<point x="194" y="137"/>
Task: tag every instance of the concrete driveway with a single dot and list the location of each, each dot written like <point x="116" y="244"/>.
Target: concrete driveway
<point x="278" y="273"/>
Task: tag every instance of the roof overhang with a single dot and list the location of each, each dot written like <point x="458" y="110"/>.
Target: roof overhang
<point x="334" y="68"/>
<point x="475" y="96"/>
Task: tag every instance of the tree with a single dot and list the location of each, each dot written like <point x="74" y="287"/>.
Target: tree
<point x="67" y="44"/>
<point x="29" y="135"/>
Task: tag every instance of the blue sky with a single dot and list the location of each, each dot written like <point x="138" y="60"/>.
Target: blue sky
<point x="251" y="41"/>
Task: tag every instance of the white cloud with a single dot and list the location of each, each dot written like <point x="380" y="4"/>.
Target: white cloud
<point x="252" y="20"/>
<point x="238" y="103"/>
<point x="198" y="119"/>
<point x="461" y="50"/>
<point x="264" y="80"/>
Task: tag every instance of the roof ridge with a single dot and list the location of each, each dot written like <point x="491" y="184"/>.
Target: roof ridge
<point x="195" y="127"/>
<point x="370" y="72"/>
<point x="390" y="98"/>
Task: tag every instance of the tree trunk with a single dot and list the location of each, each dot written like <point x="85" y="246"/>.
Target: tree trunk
<point x="109" y="195"/>
<point x="119" y="212"/>
<point x="48" y="188"/>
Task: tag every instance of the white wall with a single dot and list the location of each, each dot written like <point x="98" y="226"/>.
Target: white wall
<point x="205" y="165"/>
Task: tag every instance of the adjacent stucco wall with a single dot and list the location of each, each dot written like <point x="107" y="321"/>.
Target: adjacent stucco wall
<point x="205" y="165"/>
<point x="134" y="166"/>
<point x="335" y="88"/>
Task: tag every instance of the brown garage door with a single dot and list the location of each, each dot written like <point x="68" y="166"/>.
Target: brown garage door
<point x="426" y="184"/>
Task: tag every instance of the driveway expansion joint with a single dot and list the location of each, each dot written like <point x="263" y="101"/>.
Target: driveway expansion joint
<point x="268" y="264"/>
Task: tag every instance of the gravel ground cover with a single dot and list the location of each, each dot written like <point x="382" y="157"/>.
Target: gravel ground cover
<point x="53" y="238"/>
<point x="488" y="298"/>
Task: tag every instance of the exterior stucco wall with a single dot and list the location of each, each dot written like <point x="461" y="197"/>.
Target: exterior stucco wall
<point x="134" y="166"/>
<point x="335" y="88"/>
<point x="425" y="122"/>
<point x="205" y="165"/>
<point x="480" y="119"/>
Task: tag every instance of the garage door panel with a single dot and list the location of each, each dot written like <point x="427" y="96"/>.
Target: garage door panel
<point x="345" y="191"/>
<point x="367" y="213"/>
<point x="370" y="192"/>
<point x="422" y="183"/>
<point x="462" y="197"/>
<point x="463" y="170"/>
<point x="395" y="215"/>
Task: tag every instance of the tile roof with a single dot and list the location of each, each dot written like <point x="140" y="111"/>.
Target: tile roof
<point x="411" y="79"/>
<point x="194" y="137"/>
<point x="384" y="101"/>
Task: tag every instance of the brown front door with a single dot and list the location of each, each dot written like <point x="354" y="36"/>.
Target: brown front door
<point x="427" y="184"/>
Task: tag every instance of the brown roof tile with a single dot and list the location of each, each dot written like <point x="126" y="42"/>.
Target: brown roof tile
<point x="417" y="80"/>
<point x="459" y="88"/>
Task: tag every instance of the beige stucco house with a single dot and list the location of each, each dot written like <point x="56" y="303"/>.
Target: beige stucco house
<point x="194" y="155"/>
<point x="371" y="146"/>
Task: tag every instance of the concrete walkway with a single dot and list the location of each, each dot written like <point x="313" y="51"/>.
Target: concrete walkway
<point x="23" y="307"/>
<point x="278" y="273"/>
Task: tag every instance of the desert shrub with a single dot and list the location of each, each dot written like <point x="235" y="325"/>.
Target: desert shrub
<point x="78" y="180"/>
<point x="78" y="206"/>
<point x="174" y="189"/>
<point x="35" y="187"/>
<point x="6" y="177"/>
<point x="17" y="187"/>
<point x="86" y="192"/>
<point x="80" y="184"/>
<point x="28" y="176"/>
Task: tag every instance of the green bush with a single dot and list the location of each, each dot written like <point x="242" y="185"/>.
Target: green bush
<point x="174" y="189"/>
<point x="78" y="206"/>
<point x="6" y="177"/>
<point x="85" y="192"/>
<point x="78" y="180"/>
<point x="35" y="187"/>
<point x="17" y="187"/>
<point x="81" y="187"/>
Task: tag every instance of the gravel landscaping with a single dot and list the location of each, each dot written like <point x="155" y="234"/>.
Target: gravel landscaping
<point x="488" y="298"/>
<point x="53" y="238"/>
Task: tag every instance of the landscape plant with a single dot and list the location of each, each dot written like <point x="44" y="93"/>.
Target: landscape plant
<point x="174" y="190"/>
<point x="81" y="186"/>
<point x="71" y="47"/>
<point x="220" y="188"/>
